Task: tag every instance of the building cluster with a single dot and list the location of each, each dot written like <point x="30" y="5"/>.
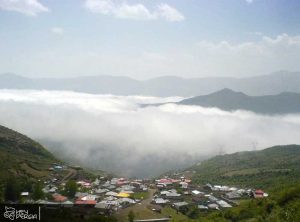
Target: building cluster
<point x="105" y="194"/>
<point x="181" y="194"/>
<point x="108" y="195"/>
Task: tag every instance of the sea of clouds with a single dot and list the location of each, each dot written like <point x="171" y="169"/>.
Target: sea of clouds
<point x="117" y="134"/>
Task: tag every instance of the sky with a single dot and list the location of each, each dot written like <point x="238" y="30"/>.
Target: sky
<point x="144" y="39"/>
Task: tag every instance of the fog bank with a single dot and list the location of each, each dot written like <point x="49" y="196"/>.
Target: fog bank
<point x="114" y="133"/>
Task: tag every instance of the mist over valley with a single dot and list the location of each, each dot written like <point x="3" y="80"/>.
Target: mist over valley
<point x="117" y="134"/>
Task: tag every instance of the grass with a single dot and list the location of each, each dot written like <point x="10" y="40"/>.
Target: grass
<point x="22" y="157"/>
<point x="176" y="217"/>
<point x="140" y="195"/>
<point x="33" y="172"/>
<point x="256" y="169"/>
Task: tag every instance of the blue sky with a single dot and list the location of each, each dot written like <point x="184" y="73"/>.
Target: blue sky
<point x="148" y="38"/>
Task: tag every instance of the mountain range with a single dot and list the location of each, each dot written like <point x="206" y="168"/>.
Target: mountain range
<point x="274" y="83"/>
<point x="230" y="100"/>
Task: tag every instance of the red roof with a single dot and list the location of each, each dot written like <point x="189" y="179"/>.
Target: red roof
<point x="89" y="202"/>
<point x="59" y="198"/>
<point x="165" y="181"/>
<point x="259" y="192"/>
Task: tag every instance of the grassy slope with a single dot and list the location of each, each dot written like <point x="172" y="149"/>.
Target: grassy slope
<point x="22" y="157"/>
<point x="276" y="169"/>
<point x="266" y="168"/>
<point x="282" y="206"/>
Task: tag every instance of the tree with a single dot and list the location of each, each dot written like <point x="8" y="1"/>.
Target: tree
<point x="11" y="191"/>
<point x="37" y="192"/>
<point x="131" y="216"/>
<point x="71" y="188"/>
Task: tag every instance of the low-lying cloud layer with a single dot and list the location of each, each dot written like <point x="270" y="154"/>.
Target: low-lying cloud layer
<point x="114" y="133"/>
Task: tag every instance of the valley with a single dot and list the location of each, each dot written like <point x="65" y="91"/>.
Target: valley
<point x="215" y="188"/>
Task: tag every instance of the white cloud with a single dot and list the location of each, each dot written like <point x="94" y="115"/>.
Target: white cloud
<point x="27" y="7"/>
<point x="169" y="13"/>
<point x="57" y="30"/>
<point x="264" y="56"/>
<point x="113" y="133"/>
<point x="202" y="59"/>
<point x="134" y="11"/>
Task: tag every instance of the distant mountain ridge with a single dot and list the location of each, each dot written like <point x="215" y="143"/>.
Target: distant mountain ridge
<point x="273" y="83"/>
<point x="229" y="100"/>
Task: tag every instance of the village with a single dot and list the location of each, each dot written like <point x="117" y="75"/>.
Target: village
<point x="109" y="195"/>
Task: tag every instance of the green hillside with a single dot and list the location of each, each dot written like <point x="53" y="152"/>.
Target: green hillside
<point x="282" y="206"/>
<point x="22" y="157"/>
<point x="265" y="169"/>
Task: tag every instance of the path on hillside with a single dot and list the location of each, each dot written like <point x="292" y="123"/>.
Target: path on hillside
<point x="70" y="174"/>
<point x="139" y="209"/>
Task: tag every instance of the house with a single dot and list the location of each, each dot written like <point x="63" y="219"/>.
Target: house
<point x="86" y="202"/>
<point x="80" y="195"/>
<point x="111" y="193"/>
<point x="184" y="185"/>
<point x="259" y="194"/>
<point x="57" y="167"/>
<point x="165" y="182"/>
<point x="160" y="186"/>
<point x="220" y="188"/>
<point x="53" y="190"/>
<point x="89" y="197"/>
<point x="202" y="207"/>
<point x="208" y="186"/>
<point x="124" y="195"/>
<point x="106" y="184"/>
<point x="126" y="188"/>
<point x="241" y="191"/>
<point x="110" y="198"/>
<point x="173" y="195"/>
<point x="197" y="193"/>
<point x="160" y="201"/>
<point x="100" y="191"/>
<point x="233" y="195"/>
<point x="213" y="206"/>
<point x="121" y="182"/>
<point x="104" y="206"/>
<point x="127" y="191"/>
<point x="223" y="204"/>
<point x="85" y="184"/>
<point x="111" y="187"/>
<point x="96" y="182"/>
<point x="125" y="201"/>
<point x="232" y="189"/>
<point x="212" y="198"/>
<point x="165" y="192"/>
<point x="25" y="194"/>
<point x="180" y="205"/>
<point x="49" y="189"/>
<point x="59" y="198"/>
<point x="67" y="204"/>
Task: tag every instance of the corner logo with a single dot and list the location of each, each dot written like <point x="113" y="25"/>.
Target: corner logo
<point x="14" y="214"/>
